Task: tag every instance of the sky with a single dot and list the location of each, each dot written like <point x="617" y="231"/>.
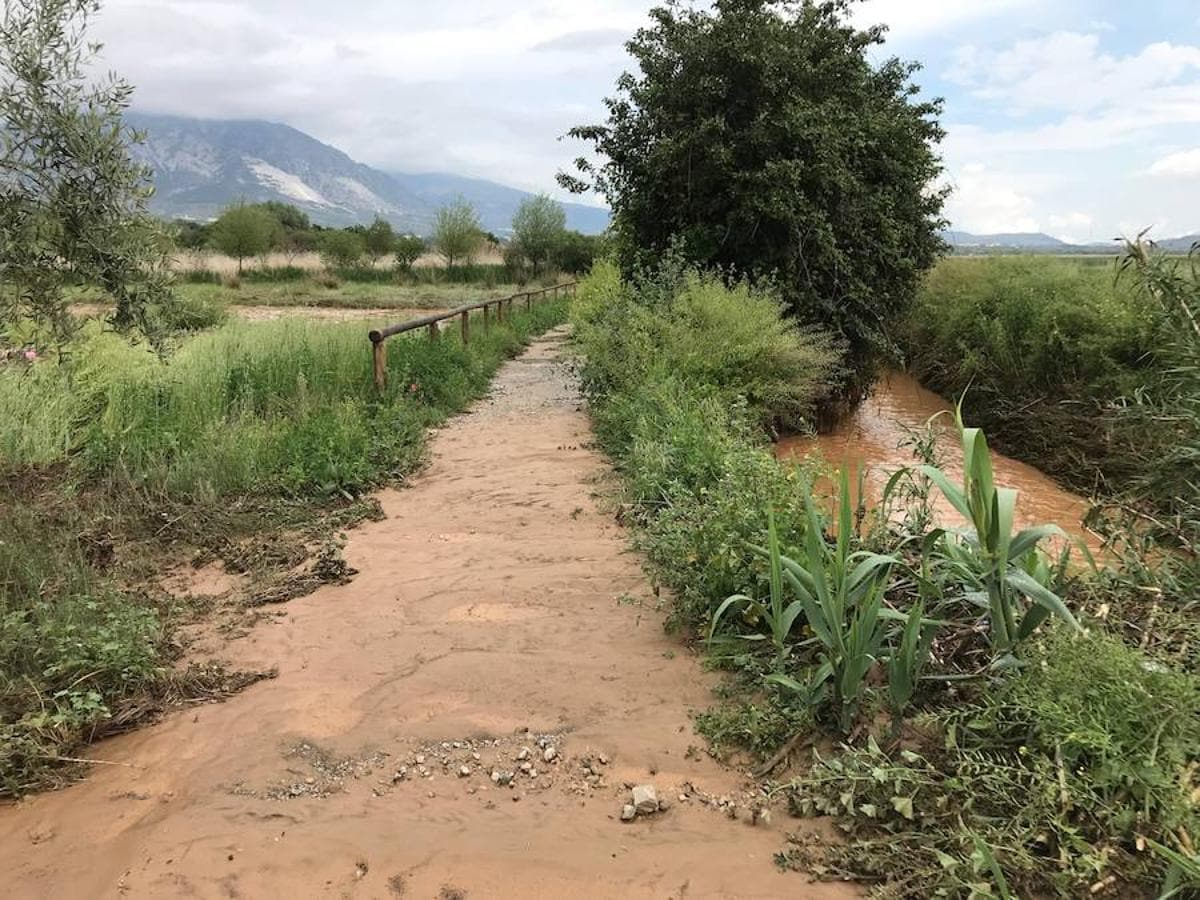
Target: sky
<point x="1079" y="118"/>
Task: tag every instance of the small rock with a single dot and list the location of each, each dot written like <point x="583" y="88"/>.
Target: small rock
<point x="310" y="780"/>
<point x="420" y="759"/>
<point x="495" y="776"/>
<point x="526" y="767"/>
<point x="464" y="772"/>
<point x="645" y="799"/>
<point x="523" y="754"/>
<point x="602" y="759"/>
<point x="475" y="756"/>
<point x="549" y="753"/>
<point x="628" y="812"/>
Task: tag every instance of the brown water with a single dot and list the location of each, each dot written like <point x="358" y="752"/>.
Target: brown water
<point x="875" y="437"/>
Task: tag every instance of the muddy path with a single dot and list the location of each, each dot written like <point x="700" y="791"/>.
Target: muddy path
<point x="498" y="619"/>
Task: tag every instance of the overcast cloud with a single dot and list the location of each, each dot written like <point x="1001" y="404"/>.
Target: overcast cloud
<point x="1080" y="118"/>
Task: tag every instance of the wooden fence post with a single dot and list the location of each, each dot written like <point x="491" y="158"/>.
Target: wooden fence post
<point x="487" y="319"/>
<point x="466" y="327"/>
<point x="380" y="354"/>
<point x="433" y="331"/>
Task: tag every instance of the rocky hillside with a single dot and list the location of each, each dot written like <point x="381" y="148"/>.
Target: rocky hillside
<point x="201" y="165"/>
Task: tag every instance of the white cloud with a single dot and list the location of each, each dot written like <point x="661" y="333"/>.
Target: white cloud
<point x="1072" y="227"/>
<point x="914" y="18"/>
<point x="1067" y="71"/>
<point x="1185" y="164"/>
<point x="986" y="202"/>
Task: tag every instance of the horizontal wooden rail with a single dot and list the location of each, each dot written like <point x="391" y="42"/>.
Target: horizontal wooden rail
<point x="503" y="311"/>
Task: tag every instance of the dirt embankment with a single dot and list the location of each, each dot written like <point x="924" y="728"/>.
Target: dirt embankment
<point x="499" y="624"/>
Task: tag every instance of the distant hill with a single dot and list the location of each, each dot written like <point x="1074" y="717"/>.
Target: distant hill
<point x="202" y="165"/>
<point x="1037" y="242"/>
<point x="494" y="202"/>
<point x="1017" y="241"/>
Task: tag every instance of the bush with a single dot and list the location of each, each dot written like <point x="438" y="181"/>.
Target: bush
<point x="341" y="249"/>
<point x="735" y="341"/>
<point x="1041" y="351"/>
<point x="685" y="375"/>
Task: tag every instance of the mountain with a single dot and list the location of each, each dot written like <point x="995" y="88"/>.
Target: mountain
<point x="1016" y="241"/>
<point x="202" y="165"/>
<point x="1180" y="244"/>
<point x="494" y="202"/>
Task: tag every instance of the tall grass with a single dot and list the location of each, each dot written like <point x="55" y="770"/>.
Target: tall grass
<point x="1040" y="349"/>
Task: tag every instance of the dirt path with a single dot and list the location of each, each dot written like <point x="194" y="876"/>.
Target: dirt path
<point x="494" y="598"/>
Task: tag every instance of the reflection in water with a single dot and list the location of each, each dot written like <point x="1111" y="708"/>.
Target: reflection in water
<point x="875" y="436"/>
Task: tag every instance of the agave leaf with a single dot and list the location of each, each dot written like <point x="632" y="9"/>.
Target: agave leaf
<point x="1029" y="538"/>
<point x="955" y="495"/>
<point x="872" y="565"/>
<point x="1005" y="510"/>
<point x="723" y="608"/>
<point x="1042" y="596"/>
<point x="794" y="610"/>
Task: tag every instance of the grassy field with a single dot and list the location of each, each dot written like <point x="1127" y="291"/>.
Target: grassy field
<point x="345" y="295"/>
<point x="991" y="721"/>
<point x="253" y="444"/>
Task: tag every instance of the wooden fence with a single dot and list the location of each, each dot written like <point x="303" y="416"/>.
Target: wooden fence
<point x="433" y="321"/>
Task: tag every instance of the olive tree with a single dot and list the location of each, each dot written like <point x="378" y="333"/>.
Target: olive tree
<point x="72" y="200"/>
<point x="763" y="138"/>
<point x="243" y="231"/>
<point x="457" y="234"/>
<point x="408" y="249"/>
<point x="379" y="239"/>
<point x="539" y="228"/>
<point x="341" y="249"/>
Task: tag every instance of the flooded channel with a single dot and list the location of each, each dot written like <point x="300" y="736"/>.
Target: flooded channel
<point x="877" y="436"/>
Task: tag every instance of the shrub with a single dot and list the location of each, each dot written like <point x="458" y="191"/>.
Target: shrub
<point x="1040" y="350"/>
<point x="341" y="249"/>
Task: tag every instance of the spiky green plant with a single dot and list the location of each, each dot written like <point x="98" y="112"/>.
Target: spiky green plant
<point x="1006" y="572"/>
<point x="841" y="593"/>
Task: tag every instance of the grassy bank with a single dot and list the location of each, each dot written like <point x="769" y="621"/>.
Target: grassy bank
<point x="253" y="444"/>
<point x="1042" y="351"/>
<point x="981" y="726"/>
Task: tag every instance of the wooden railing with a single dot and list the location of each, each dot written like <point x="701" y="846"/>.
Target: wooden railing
<point x="433" y="321"/>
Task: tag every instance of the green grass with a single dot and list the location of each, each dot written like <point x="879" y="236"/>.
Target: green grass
<point x="117" y="463"/>
<point x="1041" y="349"/>
<point x="1032" y="762"/>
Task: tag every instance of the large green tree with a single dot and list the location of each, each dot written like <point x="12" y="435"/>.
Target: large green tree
<point x="760" y="137"/>
<point x="379" y="239"/>
<point x="457" y="234"/>
<point x="539" y="228"/>
<point x="243" y="230"/>
<point x="72" y="201"/>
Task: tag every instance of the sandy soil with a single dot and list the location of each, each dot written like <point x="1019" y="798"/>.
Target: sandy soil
<point x="497" y="611"/>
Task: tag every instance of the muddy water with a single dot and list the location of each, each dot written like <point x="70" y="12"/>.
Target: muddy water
<point x="876" y="435"/>
<point x="496" y="602"/>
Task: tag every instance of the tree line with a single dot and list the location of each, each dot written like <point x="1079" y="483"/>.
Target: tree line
<point x="539" y="242"/>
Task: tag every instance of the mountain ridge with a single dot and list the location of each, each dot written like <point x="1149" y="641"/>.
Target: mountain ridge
<point x="201" y="165"/>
